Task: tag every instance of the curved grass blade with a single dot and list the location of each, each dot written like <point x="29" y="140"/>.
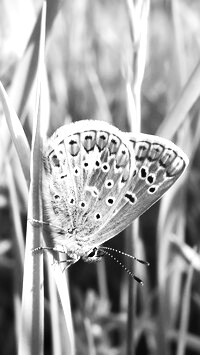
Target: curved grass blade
<point x="17" y="133"/>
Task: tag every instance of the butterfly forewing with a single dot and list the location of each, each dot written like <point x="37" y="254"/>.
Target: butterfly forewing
<point x="159" y="163"/>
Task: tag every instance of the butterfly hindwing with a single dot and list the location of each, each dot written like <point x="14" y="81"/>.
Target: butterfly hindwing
<point x="87" y="167"/>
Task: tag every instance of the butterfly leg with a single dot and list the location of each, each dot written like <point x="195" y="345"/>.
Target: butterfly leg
<point x="68" y="262"/>
<point x="43" y="248"/>
<point x="39" y="223"/>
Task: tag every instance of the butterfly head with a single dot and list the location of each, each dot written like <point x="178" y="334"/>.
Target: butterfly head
<point x="75" y="254"/>
<point x="93" y="255"/>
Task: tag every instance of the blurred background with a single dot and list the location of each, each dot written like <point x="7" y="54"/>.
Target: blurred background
<point x="89" y="50"/>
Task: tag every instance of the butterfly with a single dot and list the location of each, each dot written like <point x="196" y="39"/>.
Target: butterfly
<point x="97" y="179"/>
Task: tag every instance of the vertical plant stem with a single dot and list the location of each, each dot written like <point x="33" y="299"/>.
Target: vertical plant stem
<point x="18" y="249"/>
<point x="138" y="14"/>
<point x="185" y="312"/>
<point x="63" y="291"/>
<point x="32" y="318"/>
<point x="31" y="336"/>
<point x="131" y="240"/>
<point x="54" y="312"/>
<point x="102" y="280"/>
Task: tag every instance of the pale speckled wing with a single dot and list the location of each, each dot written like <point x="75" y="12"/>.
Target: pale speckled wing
<point x="159" y="163"/>
<point x="87" y="170"/>
<point x="97" y="180"/>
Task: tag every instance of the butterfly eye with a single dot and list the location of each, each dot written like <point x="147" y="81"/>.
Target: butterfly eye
<point x="57" y="197"/>
<point x="92" y="253"/>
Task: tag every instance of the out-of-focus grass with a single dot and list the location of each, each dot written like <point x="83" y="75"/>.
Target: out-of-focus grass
<point x="88" y="51"/>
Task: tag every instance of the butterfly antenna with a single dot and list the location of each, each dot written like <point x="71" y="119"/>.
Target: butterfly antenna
<point x="130" y="273"/>
<point x="128" y="255"/>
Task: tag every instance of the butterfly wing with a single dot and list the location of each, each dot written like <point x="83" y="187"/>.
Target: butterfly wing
<point x="87" y="168"/>
<point x="97" y="180"/>
<point x="159" y="163"/>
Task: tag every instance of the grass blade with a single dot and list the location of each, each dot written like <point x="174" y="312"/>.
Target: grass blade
<point x="17" y="133"/>
<point x="32" y="322"/>
<point x="185" y="311"/>
<point x="138" y="16"/>
<point x="184" y="103"/>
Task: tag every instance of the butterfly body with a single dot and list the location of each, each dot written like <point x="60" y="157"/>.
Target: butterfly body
<point x="97" y="180"/>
